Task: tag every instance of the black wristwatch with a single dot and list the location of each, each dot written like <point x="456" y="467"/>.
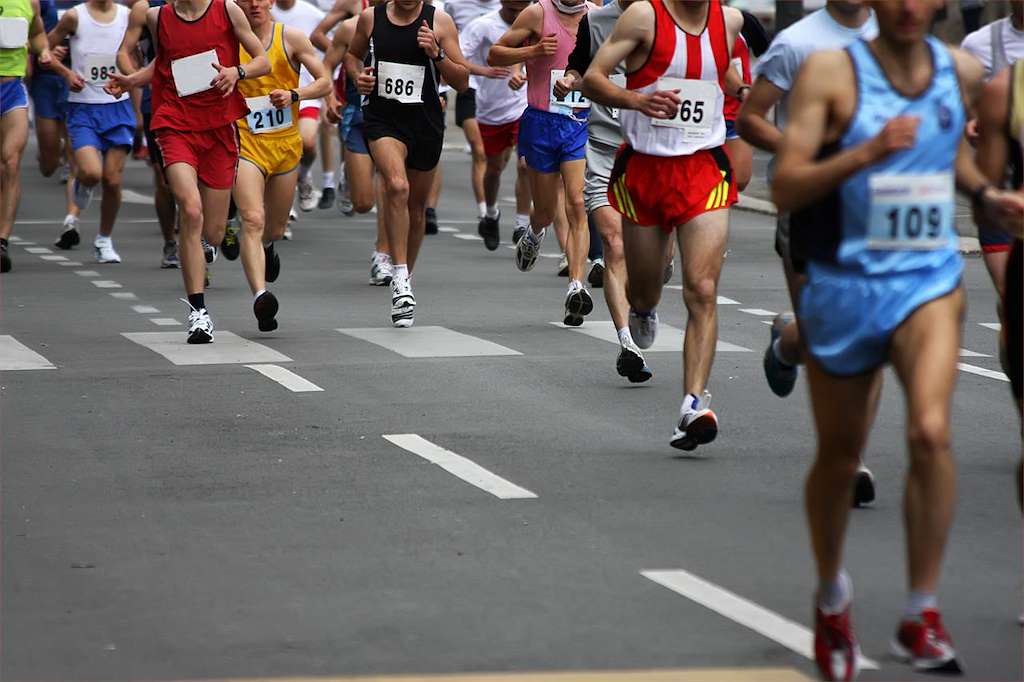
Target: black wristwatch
<point x="978" y="195"/>
<point x="241" y="72"/>
<point x="295" y="95"/>
<point x="440" y="55"/>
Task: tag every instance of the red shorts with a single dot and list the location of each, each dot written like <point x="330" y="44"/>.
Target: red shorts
<point x="669" y="191"/>
<point x="213" y="153"/>
<point x="498" y="138"/>
<point x="310" y="112"/>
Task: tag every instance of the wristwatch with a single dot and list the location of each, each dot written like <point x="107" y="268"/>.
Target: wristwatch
<point x="295" y="95"/>
<point x="241" y="72"/>
<point x="440" y="55"/>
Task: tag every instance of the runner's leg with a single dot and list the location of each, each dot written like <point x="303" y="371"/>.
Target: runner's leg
<point x="389" y="155"/>
<point x="578" y="237"/>
<point x="13" y="136"/>
<point x="644" y="249"/>
<point x="421" y="185"/>
<point x="113" y="172"/>
<point x="184" y="185"/>
<point x="249" y="198"/>
<point x="50" y="138"/>
<point x="479" y="167"/>
<point x="609" y="224"/>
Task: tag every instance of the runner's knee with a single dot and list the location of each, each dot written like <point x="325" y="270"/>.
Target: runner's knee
<point x="928" y="435"/>
<point x="700" y="292"/>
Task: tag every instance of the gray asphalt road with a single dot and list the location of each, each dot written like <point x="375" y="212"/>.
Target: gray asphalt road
<point x="187" y="521"/>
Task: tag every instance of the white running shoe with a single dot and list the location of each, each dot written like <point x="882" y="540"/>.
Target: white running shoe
<point x="105" y="252"/>
<point x="381" y="270"/>
<point x="697" y="424"/>
<point x="643" y="327"/>
<point x="344" y="201"/>
<point x="200" y="326"/>
<point x="403" y="303"/>
<point x="527" y="250"/>
<point x="308" y="197"/>
<point x="209" y="252"/>
<point x="578" y="304"/>
<point x="563" y="266"/>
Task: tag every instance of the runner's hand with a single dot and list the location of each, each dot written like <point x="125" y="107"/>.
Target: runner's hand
<point x="118" y="84"/>
<point x="332" y="111"/>
<point x="899" y="133"/>
<point x="1004" y="208"/>
<point x="499" y="72"/>
<point x="971" y="130"/>
<point x="225" y="79"/>
<point x="281" y="98"/>
<point x="547" y="46"/>
<point x="517" y="81"/>
<point x="563" y="86"/>
<point x="75" y="82"/>
<point x="366" y="81"/>
<point x="58" y="53"/>
<point x="45" y="58"/>
<point x="427" y="40"/>
<point x="660" y="103"/>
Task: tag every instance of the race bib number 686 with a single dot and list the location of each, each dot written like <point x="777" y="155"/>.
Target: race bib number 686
<point x="400" y="82"/>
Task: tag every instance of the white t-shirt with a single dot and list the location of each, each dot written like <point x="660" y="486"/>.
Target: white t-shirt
<point x="979" y="43"/>
<point x="463" y="12"/>
<point x="305" y="17"/>
<point x="496" y="103"/>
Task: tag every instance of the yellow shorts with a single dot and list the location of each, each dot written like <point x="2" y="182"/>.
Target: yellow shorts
<point x="272" y="154"/>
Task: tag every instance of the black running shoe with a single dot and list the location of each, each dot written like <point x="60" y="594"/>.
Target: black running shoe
<point x="5" y="259"/>
<point x="265" y="308"/>
<point x="68" y="238"/>
<point x="431" y="221"/>
<point x="273" y="263"/>
<point x="596" y="275"/>
<point x="326" y="199"/>
<point x="488" y="229"/>
<point x="517" y="234"/>
<point x="209" y="252"/>
<point x="230" y="246"/>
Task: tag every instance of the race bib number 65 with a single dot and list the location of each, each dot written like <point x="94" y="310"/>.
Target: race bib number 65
<point x="910" y="211"/>
<point x="400" y="82"/>
<point x="697" y="110"/>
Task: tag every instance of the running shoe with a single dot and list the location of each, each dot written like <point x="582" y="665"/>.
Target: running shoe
<point x="326" y="199"/>
<point x="5" y="259"/>
<point x="170" y="256"/>
<point x="643" y="327"/>
<point x="265" y="309"/>
<point x="697" y="425"/>
<point x="200" y="326"/>
<point x="578" y="304"/>
<point x="924" y="643"/>
<point x="288" y="235"/>
<point x="209" y="252"/>
<point x="518" y="233"/>
<point x="596" y="275"/>
<point x="863" y="487"/>
<point x="69" y="236"/>
<point x="631" y="364"/>
<point x="308" y="197"/>
<point x="403" y="303"/>
<point x="670" y="269"/>
<point x="105" y="252"/>
<point x="381" y="271"/>
<point x="563" y="266"/>
<point x="82" y="195"/>
<point x="230" y="246"/>
<point x="65" y="173"/>
<point x="836" y="650"/>
<point x="488" y="229"/>
<point x="527" y="250"/>
<point x="273" y="263"/>
<point x="431" y="221"/>
<point x="781" y="377"/>
<point x="345" y="197"/>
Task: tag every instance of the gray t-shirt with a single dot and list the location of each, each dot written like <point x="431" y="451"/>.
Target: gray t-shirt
<point x="603" y="123"/>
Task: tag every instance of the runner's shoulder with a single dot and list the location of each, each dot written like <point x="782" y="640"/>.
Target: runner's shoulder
<point x="733" y="19"/>
<point x="637" y="18"/>
<point x="969" y="70"/>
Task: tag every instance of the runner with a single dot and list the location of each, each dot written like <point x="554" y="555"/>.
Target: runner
<point x="552" y="137"/>
<point x="604" y="140"/>
<point x="673" y="176"/>
<point x="414" y="46"/>
<point x="138" y="48"/>
<point x="873" y="217"/>
<point x="497" y="109"/>
<point x="21" y="31"/>
<point x="270" y="148"/>
<point x="194" y="123"/>
<point x="101" y="128"/>
<point x="835" y="26"/>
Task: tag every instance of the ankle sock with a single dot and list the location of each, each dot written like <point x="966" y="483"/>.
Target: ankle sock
<point x="197" y="301"/>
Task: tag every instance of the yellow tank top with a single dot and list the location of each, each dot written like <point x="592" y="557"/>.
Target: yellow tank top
<point x="1017" y="102"/>
<point x="264" y="118"/>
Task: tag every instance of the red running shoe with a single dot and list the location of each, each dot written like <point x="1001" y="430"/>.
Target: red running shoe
<point x="925" y="644"/>
<point x="835" y="646"/>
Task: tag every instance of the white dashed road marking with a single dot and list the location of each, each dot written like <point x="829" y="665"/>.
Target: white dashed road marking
<point x="287" y="378"/>
<point x="17" y="356"/>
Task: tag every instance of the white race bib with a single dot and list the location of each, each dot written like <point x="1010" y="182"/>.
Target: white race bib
<point x="98" y="68"/>
<point x="13" y="32"/>
<point x="193" y="74"/>
<point x="574" y="99"/>
<point x="264" y="117"/>
<point x="910" y="211"/>
<point x="618" y="79"/>
<point x="400" y="82"/>
<point x="696" y="115"/>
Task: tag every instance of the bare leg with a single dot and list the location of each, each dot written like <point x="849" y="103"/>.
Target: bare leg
<point x="524" y="198"/>
<point x="163" y="202"/>
<point x="277" y="200"/>
<point x="360" y="174"/>
<point x="184" y="185"/>
<point x="609" y="224"/>
<point x="13" y="136"/>
<point x="476" y="144"/>
<point x="421" y="184"/>
<point x="113" y="171"/>
<point x="702" y="244"/>
<point x="389" y="154"/>
<point x="248" y="194"/>
<point x="644" y="249"/>
<point x="49" y="135"/>
<point x="578" y="241"/>
<point x="493" y="167"/>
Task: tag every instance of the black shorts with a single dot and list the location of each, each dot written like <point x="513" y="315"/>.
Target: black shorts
<point x="422" y="140"/>
<point x="155" y="157"/>
<point x="465" y="106"/>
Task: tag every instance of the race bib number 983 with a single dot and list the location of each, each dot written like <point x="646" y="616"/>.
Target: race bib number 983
<point x="910" y="211"/>
<point x="400" y="82"/>
<point x="697" y="109"/>
<point x="98" y="68"/>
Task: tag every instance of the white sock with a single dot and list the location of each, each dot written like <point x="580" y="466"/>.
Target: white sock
<point x="258" y="294"/>
<point x="70" y="219"/>
<point x="482" y="209"/>
<point x="918" y="602"/>
<point x="522" y="219"/>
<point x="625" y="338"/>
<point x="691" y="401"/>
<point x="777" y="351"/>
<point x="329" y="179"/>
<point x="492" y="211"/>
<point x="401" y="272"/>
<point x="835" y="594"/>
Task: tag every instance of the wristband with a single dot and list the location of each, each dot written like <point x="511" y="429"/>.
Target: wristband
<point x="978" y="195"/>
<point x="241" y="72"/>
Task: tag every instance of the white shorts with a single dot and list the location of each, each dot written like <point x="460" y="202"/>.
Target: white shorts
<point x="600" y="161"/>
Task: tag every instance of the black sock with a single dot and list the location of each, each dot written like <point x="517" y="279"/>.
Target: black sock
<point x="3" y="244"/>
<point x="197" y="301"/>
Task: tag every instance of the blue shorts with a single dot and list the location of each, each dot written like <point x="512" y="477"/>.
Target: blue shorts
<point x="847" y="319"/>
<point x="101" y="125"/>
<point x="730" y="130"/>
<point x="12" y="96"/>
<point x="49" y="96"/>
<point x="993" y="239"/>
<point x="351" y="127"/>
<point x="547" y="140"/>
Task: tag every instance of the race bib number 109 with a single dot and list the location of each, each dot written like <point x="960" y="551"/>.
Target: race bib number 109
<point x="910" y="211"/>
<point x="400" y="82"/>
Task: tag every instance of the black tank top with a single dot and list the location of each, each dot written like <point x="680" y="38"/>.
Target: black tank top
<point x="397" y="45"/>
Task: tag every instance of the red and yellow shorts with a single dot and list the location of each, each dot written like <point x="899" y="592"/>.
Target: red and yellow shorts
<point x="669" y="191"/>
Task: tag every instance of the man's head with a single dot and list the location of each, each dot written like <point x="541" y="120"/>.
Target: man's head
<point x="513" y="8"/>
<point x="407" y="5"/>
<point x="904" y="22"/>
<point x="258" y="11"/>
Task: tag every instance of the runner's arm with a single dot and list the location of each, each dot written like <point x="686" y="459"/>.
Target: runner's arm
<point x="454" y="68"/>
<point x="37" y="38"/>
<point x="358" y="46"/>
<point x="339" y="45"/>
<point x="259" y="65"/>
<point x="301" y="50"/>
<point x="509" y="49"/>
<point x="470" y="40"/>
<point x="752" y="123"/>
<point x="992" y="148"/>
<point x="342" y="10"/>
<point x="67" y="26"/>
<point x="132" y="35"/>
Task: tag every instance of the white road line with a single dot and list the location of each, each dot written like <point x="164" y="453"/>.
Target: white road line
<point x="428" y="342"/>
<point x="227" y="349"/>
<point x="462" y="222"/>
<point x="39" y="249"/>
<point x="789" y="634"/>
<point x="18" y="356"/>
<point x="981" y="371"/>
<point x="457" y="465"/>
<point x="124" y="296"/>
<point x="550" y="255"/>
<point x="30" y="243"/>
<point x="130" y="196"/>
<point x="760" y="312"/>
<point x="991" y="325"/>
<point x="444" y="228"/>
<point x="70" y="263"/>
<point x="164" y="321"/>
<point x="468" y="237"/>
<point x="87" y="273"/>
<point x="15" y="238"/>
<point x="287" y="378"/>
<point x="54" y="258"/>
<point x="105" y="284"/>
<point x="964" y="353"/>
<point x="670" y="339"/>
<point x="145" y="309"/>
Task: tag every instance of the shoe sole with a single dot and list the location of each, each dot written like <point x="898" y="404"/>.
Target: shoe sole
<point x="272" y="269"/>
<point x="596" y="281"/>
<point x="580" y="303"/>
<point x="863" y="491"/>
<point x="950" y="666"/>
<point x="265" y="309"/>
<point x="521" y="264"/>
<point x="632" y="367"/>
<point x="231" y="252"/>
<point x="403" y="315"/>
<point x="700" y="431"/>
<point x="200" y="337"/>
<point x="491" y="238"/>
<point x="73" y="239"/>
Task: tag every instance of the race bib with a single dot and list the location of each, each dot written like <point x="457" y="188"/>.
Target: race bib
<point x="910" y="211"/>
<point x="574" y="99"/>
<point x="618" y="79"/>
<point x="98" y="68"/>
<point x="696" y="115"/>
<point x="13" y="32"/>
<point x="193" y="74"/>
<point x="264" y="117"/>
<point x="400" y="82"/>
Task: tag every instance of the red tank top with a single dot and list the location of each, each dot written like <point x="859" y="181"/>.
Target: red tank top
<point x="741" y="60"/>
<point x="178" y="38"/>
